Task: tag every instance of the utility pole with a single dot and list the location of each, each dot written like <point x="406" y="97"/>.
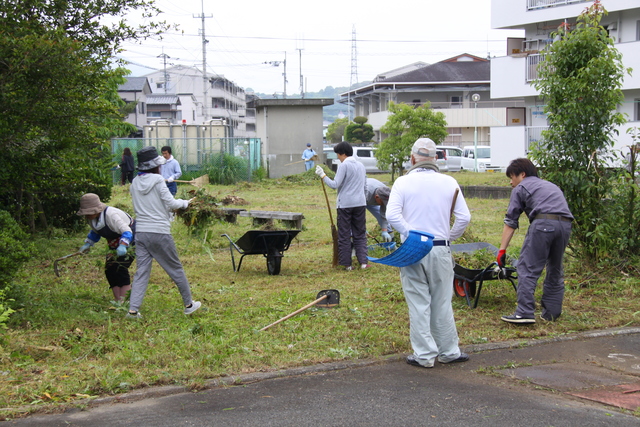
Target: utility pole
<point x="354" y="68"/>
<point x="164" y="56"/>
<point x="205" y="79"/>
<point x="277" y="64"/>
<point x="300" y="42"/>
<point x="301" y="79"/>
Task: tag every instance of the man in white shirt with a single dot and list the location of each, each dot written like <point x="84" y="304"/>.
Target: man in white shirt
<point x="423" y="200"/>
<point x="171" y="170"/>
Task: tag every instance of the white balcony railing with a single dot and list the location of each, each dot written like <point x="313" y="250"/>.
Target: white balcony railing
<point x="534" y="135"/>
<point x="540" y="4"/>
<point x="532" y="66"/>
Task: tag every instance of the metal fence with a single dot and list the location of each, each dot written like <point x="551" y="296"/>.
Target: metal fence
<point x="199" y="154"/>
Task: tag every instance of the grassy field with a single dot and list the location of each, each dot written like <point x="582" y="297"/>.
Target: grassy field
<point x="68" y="341"/>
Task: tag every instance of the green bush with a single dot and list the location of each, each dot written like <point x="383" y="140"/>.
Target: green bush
<point x="225" y="169"/>
<point x="15" y="250"/>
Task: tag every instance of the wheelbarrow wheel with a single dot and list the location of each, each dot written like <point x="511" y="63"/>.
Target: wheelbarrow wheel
<point x="458" y="288"/>
<point x="274" y="259"/>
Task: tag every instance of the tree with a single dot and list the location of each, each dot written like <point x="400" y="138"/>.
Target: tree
<point x="580" y="80"/>
<point x="335" y="131"/>
<point x="359" y="132"/>
<point x="404" y="126"/>
<point x="58" y="102"/>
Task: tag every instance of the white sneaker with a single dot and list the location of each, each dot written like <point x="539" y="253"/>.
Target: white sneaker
<point x="194" y="306"/>
<point x="135" y="315"/>
<point x="363" y="266"/>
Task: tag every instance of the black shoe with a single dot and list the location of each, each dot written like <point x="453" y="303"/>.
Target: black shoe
<point x="518" y="320"/>
<point x="462" y="358"/>
<point x="411" y="360"/>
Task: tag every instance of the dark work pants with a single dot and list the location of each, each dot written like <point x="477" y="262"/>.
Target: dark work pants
<point x="352" y="223"/>
<point x="543" y="246"/>
<point x="116" y="268"/>
<point x="173" y="188"/>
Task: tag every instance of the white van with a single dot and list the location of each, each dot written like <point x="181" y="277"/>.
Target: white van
<point x="483" y="158"/>
<point x="364" y="155"/>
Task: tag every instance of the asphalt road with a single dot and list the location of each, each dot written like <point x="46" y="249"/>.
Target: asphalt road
<point x="505" y="384"/>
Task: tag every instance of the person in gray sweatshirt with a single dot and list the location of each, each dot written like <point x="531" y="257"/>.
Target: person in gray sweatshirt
<point x="153" y="205"/>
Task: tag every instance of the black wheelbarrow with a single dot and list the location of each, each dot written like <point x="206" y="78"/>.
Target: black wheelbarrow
<point x="270" y="244"/>
<point x="468" y="282"/>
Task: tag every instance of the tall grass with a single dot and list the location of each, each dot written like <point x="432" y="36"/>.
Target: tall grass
<point x="68" y="341"/>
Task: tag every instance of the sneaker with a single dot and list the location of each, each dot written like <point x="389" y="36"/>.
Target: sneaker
<point x="519" y="320"/>
<point x="193" y="307"/>
<point x="349" y="268"/>
<point x="363" y="266"/>
<point x="411" y="360"/>
<point x="464" y="357"/>
<point x="133" y="315"/>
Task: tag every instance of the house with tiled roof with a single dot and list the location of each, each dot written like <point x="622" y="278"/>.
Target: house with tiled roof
<point x="135" y="90"/>
<point x="448" y="86"/>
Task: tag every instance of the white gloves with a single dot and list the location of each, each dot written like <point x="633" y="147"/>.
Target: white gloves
<point x="169" y="179"/>
<point x="386" y="236"/>
<point x="320" y="172"/>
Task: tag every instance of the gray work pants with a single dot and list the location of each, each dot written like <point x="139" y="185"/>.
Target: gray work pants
<point x="428" y="289"/>
<point x="543" y="246"/>
<point x="162" y="248"/>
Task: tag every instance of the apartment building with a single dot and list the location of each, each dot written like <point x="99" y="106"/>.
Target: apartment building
<point x="512" y="76"/>
<point x="449" y="86"/>
<point x="219" y="98"/>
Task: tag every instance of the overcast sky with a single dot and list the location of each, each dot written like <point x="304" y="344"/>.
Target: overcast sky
<point x="317" y="36"/>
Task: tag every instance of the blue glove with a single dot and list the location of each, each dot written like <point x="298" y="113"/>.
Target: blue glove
<point x="85" y="248"/>
<point x="386" y="236"/>
<point x="121" y="250"/>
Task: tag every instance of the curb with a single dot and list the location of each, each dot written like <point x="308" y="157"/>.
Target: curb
<point x="235" y="380"/>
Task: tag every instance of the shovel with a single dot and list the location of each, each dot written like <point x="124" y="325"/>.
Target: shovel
<point x="55" y="263"/>
<point x="198" y="182"/>
<point x="327" y="299"/>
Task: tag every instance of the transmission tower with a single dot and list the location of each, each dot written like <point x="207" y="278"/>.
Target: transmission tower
<point x="205" y="78"/>
<point x="354" y="68"/>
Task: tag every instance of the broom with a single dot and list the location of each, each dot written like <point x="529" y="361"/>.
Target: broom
<point x="198" y="182"/>
<point x="334" y="231"/>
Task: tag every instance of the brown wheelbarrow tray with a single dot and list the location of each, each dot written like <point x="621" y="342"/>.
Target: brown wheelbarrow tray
<point x="468" y="282"/>
<point x="270" y="243"/>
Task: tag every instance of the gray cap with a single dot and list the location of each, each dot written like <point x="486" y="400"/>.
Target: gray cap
<point x="424" y="147"/>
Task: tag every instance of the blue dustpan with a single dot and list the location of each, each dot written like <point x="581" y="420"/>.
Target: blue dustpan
<point x="414" y="248"/>
<point x="388" y="246"/>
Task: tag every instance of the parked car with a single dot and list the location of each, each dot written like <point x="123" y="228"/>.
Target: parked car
<point x="483" y="158"/>
<point x="328" y="156"/>
<point x="453" y="157"/>
<point x="367" y="156"/>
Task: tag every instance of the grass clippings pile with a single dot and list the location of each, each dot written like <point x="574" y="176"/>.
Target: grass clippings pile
<point x="203" y="209"/>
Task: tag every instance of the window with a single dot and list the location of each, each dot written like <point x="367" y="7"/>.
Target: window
<point x="141" y="107"/>
<point x="156" y="114"/>
<point x="456" y="102"/>
<point x="636" y="110"/>
<point x="160" y="85"/>
<point x="455" y="136"/>
<point x="637" y="30"/>
<point x="363" y="153"/>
